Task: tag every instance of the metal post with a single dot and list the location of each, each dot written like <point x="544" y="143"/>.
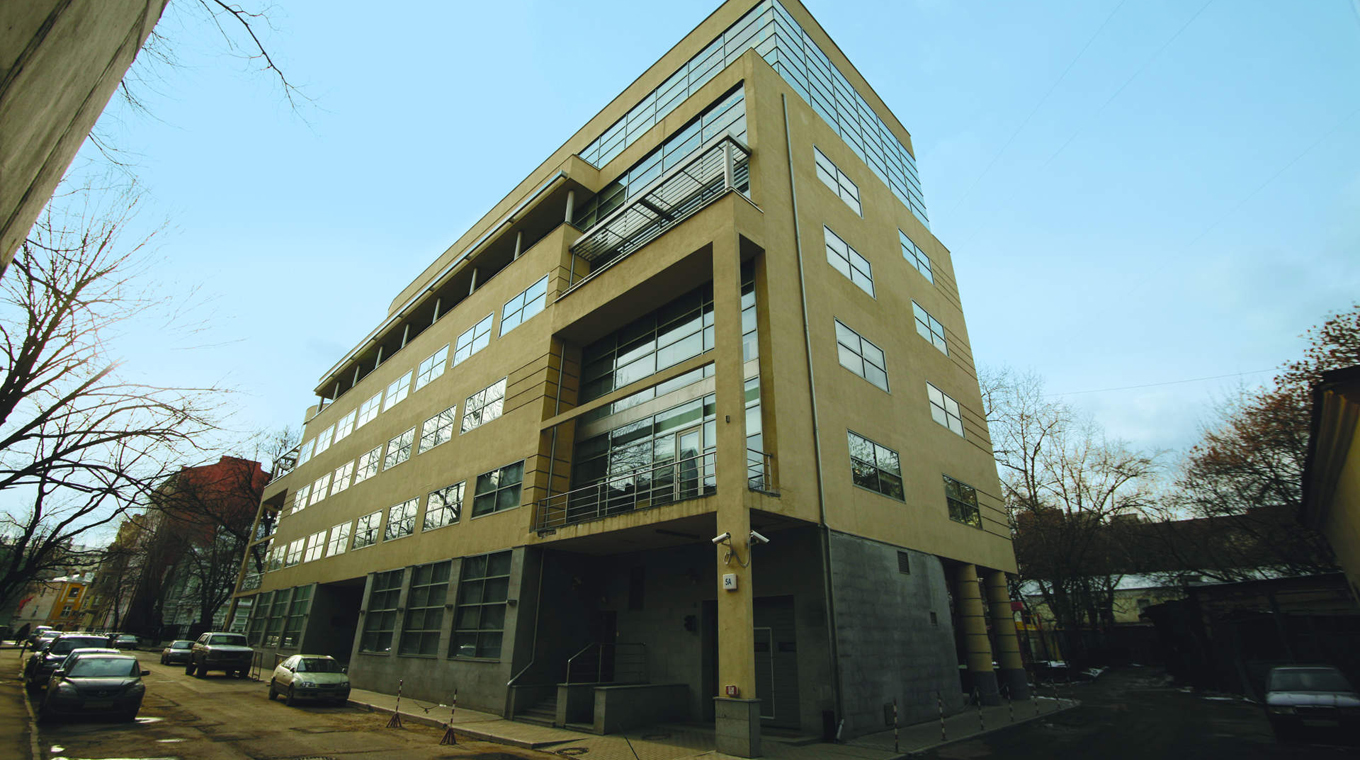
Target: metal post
<point x="944" y="735"/>
<point x="449" y="736"/>
<point x="982" y="721"/>
<point x="437" y="302"/>
<point x="571" y="272"/>
<point x="729" y="170"/>
<point x="405" y="332"/>
<point x="897" y="746"/>
<point x="519" y="239"/>
<point x="473" y="286"/>
<point x="571" y="206"/>
<point x="1034" y="695"/>
<point x="395" y="722"/>
<point x="1010" y="706"/>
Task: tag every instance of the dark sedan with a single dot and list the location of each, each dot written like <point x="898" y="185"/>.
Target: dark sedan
<point x="95" y="684"/>
<point x="40" y="666"/>
<point x="178" y="652"/>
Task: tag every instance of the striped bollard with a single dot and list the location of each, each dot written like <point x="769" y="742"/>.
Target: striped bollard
<point x="449" y="736"/>
<point x="982" y="721"/>
<point x="395" y="722"/>
<point x="1010" y="706"/>
<point x="896" y="745"/>
<point x="1034" y="697"/>
<point x="944" y="735"/>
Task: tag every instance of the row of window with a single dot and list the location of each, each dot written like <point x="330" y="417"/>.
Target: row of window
<point x="878" y="468"/>
<point x="526" y="304"/>
<point x="493" y="491"/>
<point x="865" y="359"/>
<point x="276" y="617"/>
<point x="478" y="614"/>
<point x="480" y="408"/>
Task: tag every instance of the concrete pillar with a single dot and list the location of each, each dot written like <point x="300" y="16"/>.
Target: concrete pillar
<point x="737" y="716"/>
<point x="519" y="242"/>
<point x="1012" y="668"/>
<point x="571" y="206"/>
<point x="973" y="623"/>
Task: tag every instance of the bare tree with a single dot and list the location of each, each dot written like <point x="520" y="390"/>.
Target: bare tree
<point x="79" y="445"/>
<point x="1068" y="490"/>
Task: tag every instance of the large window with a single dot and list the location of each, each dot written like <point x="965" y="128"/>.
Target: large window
<point x="944" y="409"/>
<point x="397" y="391"/>
<point x="432" y="367"/>
<point x="401" y="519"/>
<point x="316" y="543"/>
<point x="835" y="179"/>
<point x="680" y="330"/>
<point x="277" y="612"/>
<point x="443" y="507"/>
<point x="473" y="340"/>
<point x="300" y="498"/>
<point x="425" y="609"/>
<point x="848" y="262"/>
<point x="320" y="488"/>
<point x="498" y="489"/>
<point x="323" y="441"/>
<point x="340" y="478"/>
<point x="963" y="502"/>
<point x="399" y="449"/>
<point x="484" y="405"/>
<point x="519" y="309"/>
<point x="438" y="429"/>
<point x="929" y="328"/>
<point x="368" y="411"/>
<point x="366" y="529"/>
<point x="483" y="587"/>
<point x="339" y="540"/>
<point x="915" y="256"/>
<point x="367" y="465"/>
<point x="295" y="550"/>
<point x="345" y="426"/>
<point x="297" y="615"/>
<point x="305" y="453"/>
<point x="259" y="616"/>
<point x="380" y="617"/>
<point x="875" y="467"/>
<point x="860" y="356"/>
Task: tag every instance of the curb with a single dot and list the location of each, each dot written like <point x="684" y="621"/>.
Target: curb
<point x="461" y="730"/>
<point x="34" y="740"/>
<point x="930" y="747"/>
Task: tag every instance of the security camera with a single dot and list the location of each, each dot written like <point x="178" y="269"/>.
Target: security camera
<point x="724" y="538"/>
<point x="759" y="538"/>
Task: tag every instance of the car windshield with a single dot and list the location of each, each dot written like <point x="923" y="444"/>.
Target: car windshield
<point x="181" y="644"/>
<point x="64" y="646"/>
<point x="1308" y="680"/>
<point x="127" y="637"/>
<point x="104" y="667"/>
<point x="229" y="639"/>
<point x="317" y="665"/>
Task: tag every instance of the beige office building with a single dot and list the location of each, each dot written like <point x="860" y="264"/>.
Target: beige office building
<point x="687" y="427"/>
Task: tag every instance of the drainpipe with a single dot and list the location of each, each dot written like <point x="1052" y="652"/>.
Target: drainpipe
<point x="816" y="438"/>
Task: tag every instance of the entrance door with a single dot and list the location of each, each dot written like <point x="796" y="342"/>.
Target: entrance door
<point x="765" y="671"/>
<point x="677" y="466"/>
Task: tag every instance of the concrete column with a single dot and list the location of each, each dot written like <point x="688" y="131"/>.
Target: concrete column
<point x="1012" y="667"/>
<point x="519" y="242"/>
<point x="737" y="724"/>
<point x="973" y="622"/>
<point x="571" y="206"/>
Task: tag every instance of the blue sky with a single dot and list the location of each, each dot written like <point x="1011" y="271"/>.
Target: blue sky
<point x="1135" y="193"/>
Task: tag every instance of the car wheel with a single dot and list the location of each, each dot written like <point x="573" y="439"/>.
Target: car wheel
<point x="242" y="674"/>
<point x="189" y="668"/>
<point x="291" y="701"/>
<point x="201" y="671"/>
<point x="128" y="717"/>
<point x="273" y="695"/>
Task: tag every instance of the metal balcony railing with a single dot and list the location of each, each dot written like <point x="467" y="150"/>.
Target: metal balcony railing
<point x="610" y="662"/>
<point x="760" y="472"/>
<point x="713" y="170"/>
<point x="285" y="463"/>
<point x="643" y="488"/>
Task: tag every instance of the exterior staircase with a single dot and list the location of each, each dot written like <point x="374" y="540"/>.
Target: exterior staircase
<point x="543" y="713"/>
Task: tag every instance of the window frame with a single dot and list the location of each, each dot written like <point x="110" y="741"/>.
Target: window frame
<point x="441" y="433"/>
<point x="495" y="489"/>
<point x="475" y="573"/>
<point x="397" y="390"/>
<point x="965" y="508"/>
<point x="835" y="179"/>
<point x="431" y="368"/>
<point x="369" y="410"/>
<point x="843" y="342"/>
<point x="915" y="256"/>
<point x="345" y="425"/>
<point x="367" y="528"/>
<point x="423" y="618"/>
<point x="363" y="471"/>
<point x="848" y="263"/>
<point x="475" y="334"/>
<point x="930" y="328"/>
<point x="943" y="408"/>
<point x="380" y="623"/>
<point x="444" y="507"/>
<point x="316" y="544"/>
<point x="523" y="304"/>
<point x="401" y="452"/>
<point x="342" y="474"/>
<point x="337" y="542"/>
<point x="406" y="518"/>
<point x="879" y="470"/>
<point x="477" y="406"/>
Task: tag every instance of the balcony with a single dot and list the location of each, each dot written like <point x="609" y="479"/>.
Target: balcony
<point x="648" y="487"/>
<point x="713" y="170"/>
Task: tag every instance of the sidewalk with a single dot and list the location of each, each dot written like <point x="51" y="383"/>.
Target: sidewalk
<point x="16" y="737"/>
<point x="678" y="741"/>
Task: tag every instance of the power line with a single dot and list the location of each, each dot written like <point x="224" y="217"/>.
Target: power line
<point x="1039" y="105"/>
<point x="1168" y="382"/>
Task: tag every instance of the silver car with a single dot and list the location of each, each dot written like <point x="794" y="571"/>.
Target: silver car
<point x="310" y="676"/>
<point x="1315" y="696"/>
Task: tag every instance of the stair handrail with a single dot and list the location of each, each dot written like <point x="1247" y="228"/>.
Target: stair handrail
<point x="583" y="650"/>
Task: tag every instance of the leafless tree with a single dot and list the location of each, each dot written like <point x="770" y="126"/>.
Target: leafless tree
<point x="79" y="444"/>
<point x="1069" y="492"/>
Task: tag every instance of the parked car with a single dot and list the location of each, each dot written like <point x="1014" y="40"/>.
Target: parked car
<point x="36" y="632"/>
<point x="310" y="676"/>
<point x="41" y="664"/>
<point x="177" y="651"/>
<point x="41" y="638"/>
<point x="1304" y="697"/>
<point x="124" y="641"/>
<point x="219" y="650"/>
<point x="102" y="683"/>
<point x="76" y="654"/>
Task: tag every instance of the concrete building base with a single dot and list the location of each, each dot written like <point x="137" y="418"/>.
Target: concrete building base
<point x="736" y="727"/>
<point x="1015" y="682"/>
<point x="986" y="686"/>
